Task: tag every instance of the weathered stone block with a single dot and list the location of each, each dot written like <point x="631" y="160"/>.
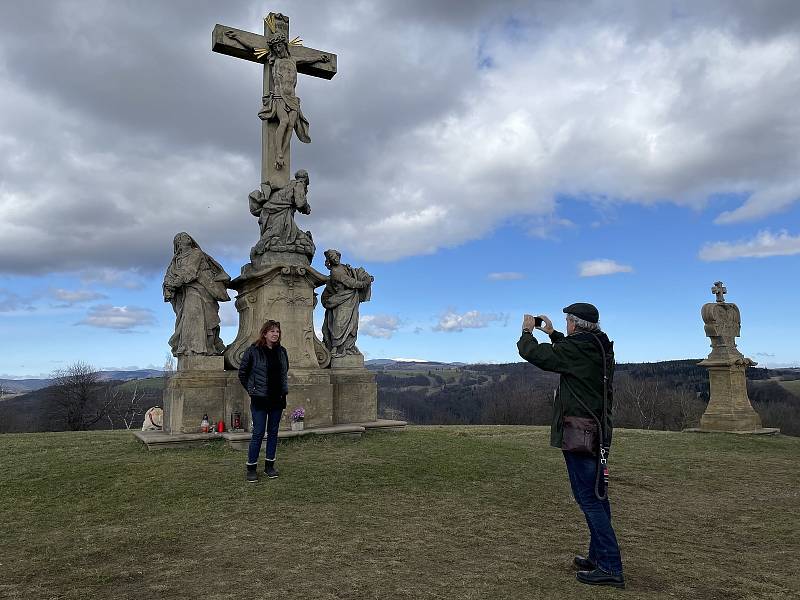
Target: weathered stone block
<point x="729" y="408"/>
<point x="189" y="395"/>
<point x="355" y="396"/>
<point x="198" y="362"/>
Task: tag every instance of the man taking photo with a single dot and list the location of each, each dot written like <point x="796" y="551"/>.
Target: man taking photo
<point x="581" y="425"/>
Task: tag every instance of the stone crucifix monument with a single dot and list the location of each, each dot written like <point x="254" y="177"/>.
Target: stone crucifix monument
<point x="328" y="379"/>
<point x="729" y="408"/>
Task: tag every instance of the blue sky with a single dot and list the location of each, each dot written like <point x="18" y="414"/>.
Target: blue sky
<point x="480" y="163"/>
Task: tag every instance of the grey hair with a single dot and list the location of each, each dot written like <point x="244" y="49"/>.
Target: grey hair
<point x="582" y="324"/>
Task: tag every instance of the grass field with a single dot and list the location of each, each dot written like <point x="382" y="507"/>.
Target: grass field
<point x="431" y="512"/>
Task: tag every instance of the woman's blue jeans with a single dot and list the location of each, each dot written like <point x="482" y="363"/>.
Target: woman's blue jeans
<point x="264" y="420"/>
<point x="603" y="547"/>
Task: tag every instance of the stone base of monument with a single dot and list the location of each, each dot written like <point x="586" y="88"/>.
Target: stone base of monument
<point x="337" y="401"/>
<point x="729" y="409"/>
<point x="761" y="431"/>
<point x="161" y="440"/>
<point x="198" y="388"/>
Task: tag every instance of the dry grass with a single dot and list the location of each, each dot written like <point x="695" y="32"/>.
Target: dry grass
<point x="433" y="512"/>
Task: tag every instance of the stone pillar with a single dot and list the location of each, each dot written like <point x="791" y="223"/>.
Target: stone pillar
<point x="198" y="387"/>
<point x="729" y="408"/>
<point x="285" y="293"/>
<point x="355" y="393"/>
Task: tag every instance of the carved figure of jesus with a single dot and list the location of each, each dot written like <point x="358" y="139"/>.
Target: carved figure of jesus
<point x="282" y="104"/>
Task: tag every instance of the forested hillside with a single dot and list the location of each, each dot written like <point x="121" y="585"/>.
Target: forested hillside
<point x="669" y="395"/>
<point x="666" y="395"/>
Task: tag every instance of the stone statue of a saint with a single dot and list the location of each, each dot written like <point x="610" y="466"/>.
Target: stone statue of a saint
<point x="282" y="104"/>
<point x="275" y="210"/>
<point x="195" y="284"/>
<point x="346" y="288"/>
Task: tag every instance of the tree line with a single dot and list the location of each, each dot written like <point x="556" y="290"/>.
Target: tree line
<point x="668" y="396"/>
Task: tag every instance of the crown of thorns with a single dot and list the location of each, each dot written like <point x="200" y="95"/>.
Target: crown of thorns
<point x="278" y="38"/>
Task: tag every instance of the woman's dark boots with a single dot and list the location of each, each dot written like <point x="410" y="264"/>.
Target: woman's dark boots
<point x="252" y="473"/>
<point x="269" y="469"/>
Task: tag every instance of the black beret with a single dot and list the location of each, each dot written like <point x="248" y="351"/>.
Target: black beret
<point x="583" y="310"/>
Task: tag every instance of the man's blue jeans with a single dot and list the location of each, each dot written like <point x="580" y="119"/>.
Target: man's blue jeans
<point x="264" y="420"/>
<point x="603" y="547"/>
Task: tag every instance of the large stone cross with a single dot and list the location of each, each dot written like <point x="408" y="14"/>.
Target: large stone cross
<point x="281" y="113"/>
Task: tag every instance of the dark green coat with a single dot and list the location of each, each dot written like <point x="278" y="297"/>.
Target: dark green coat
<point x="578" y="359"/>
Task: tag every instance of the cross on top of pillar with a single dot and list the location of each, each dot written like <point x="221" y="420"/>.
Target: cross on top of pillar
<point x="719" y="290"/>
<point x="283" y="58"/>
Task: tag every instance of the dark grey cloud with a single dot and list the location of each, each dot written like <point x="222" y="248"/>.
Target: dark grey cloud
<point x="123" y="128"/>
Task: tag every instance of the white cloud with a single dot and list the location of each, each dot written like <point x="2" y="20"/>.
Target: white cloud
<point x="378" y="326"/>
<point x="505" y="276"/>
<point x="762" y="203"/>
<point x="121" y="318"/>
<point x="72" y="297"/>
<point x="602" y="266"/>
<point x="764" y="244"/>
<point x="473" y="319"/>
<point x="228" y="315"/>
<point x="11" y="301"/>
<point x="127" y="279"/>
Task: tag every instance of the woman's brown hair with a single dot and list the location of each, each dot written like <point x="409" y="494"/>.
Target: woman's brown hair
<point x="270" y="324"/>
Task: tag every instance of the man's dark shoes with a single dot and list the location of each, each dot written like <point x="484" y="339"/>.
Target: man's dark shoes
<point x="600" y="577"/>
<point x="269" y="469"/>
<point x="583" y="563"/>
<point x="252" y="475"/>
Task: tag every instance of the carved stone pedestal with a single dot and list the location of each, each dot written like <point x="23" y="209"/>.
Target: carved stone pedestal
<point x="283" y="293"/>
<point x="199" y="387"/>
<point x="355" y="395"/>
<point x="729" y="408"/>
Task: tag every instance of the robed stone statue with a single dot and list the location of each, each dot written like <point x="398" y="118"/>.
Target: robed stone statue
<point x="194" y="284"/>
<point x="346" y="288"/>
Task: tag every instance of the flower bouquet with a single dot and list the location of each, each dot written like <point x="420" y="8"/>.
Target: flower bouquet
<point x="298" y="417"/>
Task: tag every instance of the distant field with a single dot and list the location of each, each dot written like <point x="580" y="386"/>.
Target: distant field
<point x="792" y="386"/>
<point x="429" y="513"/>
<point x="151" y="383"/>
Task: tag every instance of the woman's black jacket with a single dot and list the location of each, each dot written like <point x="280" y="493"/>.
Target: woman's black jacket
<point x="253" y="370"/>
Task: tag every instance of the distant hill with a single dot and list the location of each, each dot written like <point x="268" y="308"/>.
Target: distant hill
<point x="16" y="386"/>
<point x="662" y="395"/>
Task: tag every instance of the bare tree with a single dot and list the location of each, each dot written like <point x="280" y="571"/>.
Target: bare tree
<point x="169" y="368"/>
<point x="4" y="391"/>
<point x="126" y="406"/>
<point x="76" y="390"/>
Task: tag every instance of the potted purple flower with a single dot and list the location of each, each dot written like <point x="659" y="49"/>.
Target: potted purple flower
<point x="298" y="417"/>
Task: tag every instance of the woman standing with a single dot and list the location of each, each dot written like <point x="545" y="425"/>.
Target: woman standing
<point x="264" y="374"/>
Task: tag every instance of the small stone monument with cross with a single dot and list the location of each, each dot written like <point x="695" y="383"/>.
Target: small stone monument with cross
<point x="729" y="408"/>
<point x="278" y="283"/>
